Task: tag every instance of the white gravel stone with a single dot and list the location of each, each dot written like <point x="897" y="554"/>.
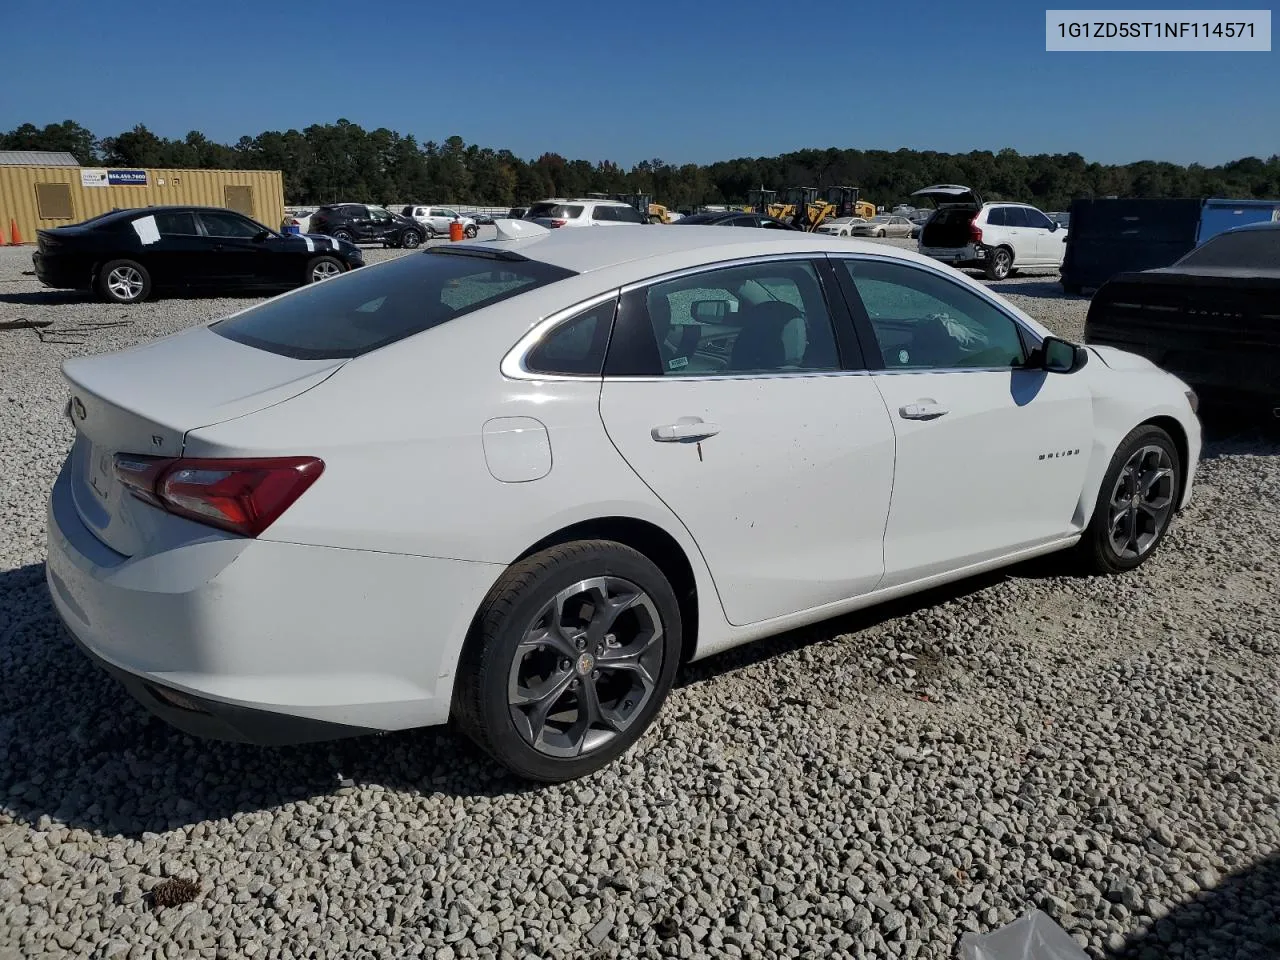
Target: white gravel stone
<point x="879" y="784"/>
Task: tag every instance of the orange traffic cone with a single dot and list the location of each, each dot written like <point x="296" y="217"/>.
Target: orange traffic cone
<point x="14" y="236"/>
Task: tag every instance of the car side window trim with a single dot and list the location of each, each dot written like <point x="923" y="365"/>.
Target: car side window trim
<point x="1031" y="340"/>
<point x="513" y="363"/>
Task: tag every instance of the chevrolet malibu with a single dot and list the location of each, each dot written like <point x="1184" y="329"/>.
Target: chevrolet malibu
<point x="515" y="483"/>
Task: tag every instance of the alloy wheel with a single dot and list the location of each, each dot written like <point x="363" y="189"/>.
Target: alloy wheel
<point x="324" y="270"/>
<point x="1141" y="502"/>
<point x="586" y="667"/>
<point x="1002" y="264"/>
<point x="125" y="283"/>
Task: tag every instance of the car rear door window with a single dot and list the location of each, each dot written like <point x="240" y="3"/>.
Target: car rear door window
<point x="1016" y="217"/>
<point x="762" y="318"/>
<point x="372" y="307"/>
<point x="176" y="223"/>
<point x="603" y="215"/>
<point x="1037" y="219"/>
<point x="922" y="320"/>
<point x="575" y="347"/>
<point x="627" y="215"/>
<point x="220" y="224"/>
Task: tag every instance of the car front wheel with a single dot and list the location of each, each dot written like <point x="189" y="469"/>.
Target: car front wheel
<point x="410" y="239"/>
<point x="1136" y="502"/>
<point x="323" y="268"/>
<point x="471" y="231"/>
<point x="574" y="652"/>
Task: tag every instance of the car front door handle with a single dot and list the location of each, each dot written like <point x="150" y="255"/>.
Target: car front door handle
<point x="923" y="410"/>
<point x="684" y="430"/>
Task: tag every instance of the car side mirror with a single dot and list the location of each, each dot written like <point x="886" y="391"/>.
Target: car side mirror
<point x="1062" y="356"/>
<point x="1053" y="226"/>
<point x="705" y="310"/>
<point x="261" y="235"/>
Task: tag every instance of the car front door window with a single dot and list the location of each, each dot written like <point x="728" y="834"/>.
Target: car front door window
<point x="923" y="321"/>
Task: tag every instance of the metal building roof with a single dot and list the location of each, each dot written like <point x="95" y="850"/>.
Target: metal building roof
<point x="37" y="158"/>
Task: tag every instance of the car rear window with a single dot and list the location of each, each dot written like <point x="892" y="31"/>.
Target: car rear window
<point x="374" y="306"/>
<point x="558" y="211"/>
<point x="1248" y="249"/>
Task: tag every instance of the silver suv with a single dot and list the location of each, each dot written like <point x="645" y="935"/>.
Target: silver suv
<point x="435" y="220"/>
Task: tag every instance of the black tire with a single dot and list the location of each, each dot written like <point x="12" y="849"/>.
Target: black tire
<point x="999" y="264"/>
<point x="471" y="231"/>
<point x="343" y="235"/>
<point x="481" y="699"/>
<point x="1072" y="289"/>
<point x="431" y="231"/>
<point x="323" y="268"/>
<point x="124" y="281"/>
<point x="1097" y="550"/>
<point x="410" y="239"/>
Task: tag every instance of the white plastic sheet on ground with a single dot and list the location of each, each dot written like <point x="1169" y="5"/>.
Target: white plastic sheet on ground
<point x="1032" y="937"/>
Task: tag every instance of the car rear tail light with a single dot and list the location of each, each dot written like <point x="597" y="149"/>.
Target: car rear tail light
<point x="975" y="231"/>
<point x="558" y="223"/>
<point x="241" y="495"/>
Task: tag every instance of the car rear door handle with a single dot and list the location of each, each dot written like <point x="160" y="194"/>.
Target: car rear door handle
<point x="684" y="430"/>
<point x="923" y="410"/>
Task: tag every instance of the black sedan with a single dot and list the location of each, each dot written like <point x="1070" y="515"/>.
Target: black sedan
<point x="125" y="255"/>
<point x="1209" y="318"/>
<point x="732" y="218"/>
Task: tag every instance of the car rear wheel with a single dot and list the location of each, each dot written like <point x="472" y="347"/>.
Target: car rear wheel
<point x="124" y="281"/>
<point x="410" y="239"/>
<point x="430" y="231"/>
<point x="1136" y="502"/>
<point x="999" y="264"/>
<point x="471" y="231"/>
<point x="343" y="235"/>
<point x="573" y="653"/>
<point x="323" y="268"/>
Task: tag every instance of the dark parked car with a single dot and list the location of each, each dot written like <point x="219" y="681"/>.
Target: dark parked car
<point x="1209" y="318"/>
<point x="517" y="213"/>
<point x="483" y="219"/>
<point x="733" y="218"/>
<point x="365" y="223"/>
<point x="125" y="255"/>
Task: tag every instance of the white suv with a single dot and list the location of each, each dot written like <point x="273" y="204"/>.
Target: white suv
<point x="584" y="213"/>
<point x="995" y="237"/>
<point x="436" y="220"/>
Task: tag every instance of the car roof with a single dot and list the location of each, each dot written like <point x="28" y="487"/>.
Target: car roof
<point x="583" y="251"/>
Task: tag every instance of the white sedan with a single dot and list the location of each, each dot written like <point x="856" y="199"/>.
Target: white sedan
<point x="516" y="482"/>
<point x="840" y="226"/>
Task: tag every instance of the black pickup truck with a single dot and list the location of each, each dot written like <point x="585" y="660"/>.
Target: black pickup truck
<point x="1211" y="318"/>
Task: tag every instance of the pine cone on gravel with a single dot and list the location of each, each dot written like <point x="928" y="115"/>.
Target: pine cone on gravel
<point x="174" y="892"/>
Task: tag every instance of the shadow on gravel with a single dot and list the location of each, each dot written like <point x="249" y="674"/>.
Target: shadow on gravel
<point x="1043" y="288"/>
<point x="1237" y="920"/>
<point x="45" y="298"/>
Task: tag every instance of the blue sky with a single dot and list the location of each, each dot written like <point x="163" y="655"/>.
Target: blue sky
<point x="695" y="81"/>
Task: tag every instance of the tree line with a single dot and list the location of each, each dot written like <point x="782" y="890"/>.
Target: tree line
<point x="343" y="161"/>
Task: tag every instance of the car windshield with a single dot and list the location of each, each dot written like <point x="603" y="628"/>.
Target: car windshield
<point x="374" y="306"/>
<point x="880" y="219"/>
<point x="702" y="218"/>
<point x="558" y="211"/>
<point x="1246" y="249"/>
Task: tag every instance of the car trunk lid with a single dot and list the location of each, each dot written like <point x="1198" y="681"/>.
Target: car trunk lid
<point x="949" y="193"/>
<point x="145" y="400"/>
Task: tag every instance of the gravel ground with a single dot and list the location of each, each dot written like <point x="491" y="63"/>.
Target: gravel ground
<point x="1104" y="749"/>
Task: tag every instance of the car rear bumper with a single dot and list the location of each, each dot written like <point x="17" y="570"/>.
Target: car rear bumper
<point x="262" y="641"/>
<point x="60" y="273"/>
<point x="968" y="255"/>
